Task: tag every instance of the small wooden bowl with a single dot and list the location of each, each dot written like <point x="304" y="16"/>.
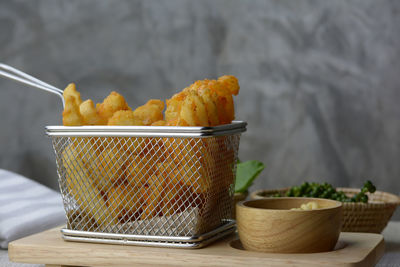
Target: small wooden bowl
<point x="268" y="225"/>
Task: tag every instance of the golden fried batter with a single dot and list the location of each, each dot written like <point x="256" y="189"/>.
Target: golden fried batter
<point x="70" y="90"/>
<point x="152" y="196"/>
<point x="150" y="112"/>
<point x="82" y="189"/>
<point x="159" y="123"/>
<point x="90" y="114"/>
<point x="187" y="163"/>
<point x="193" y="111"/>
<point x="204" y="103"/>
<point x="174" y="106"/>
<point x="111" y="104"/>
<point x="130" y="178"/>
<point x="124" y="118"/>
<point x="210" y="100"/>
<point x="124" y="201"/>
<point x="71" y="114"/>
<point x="139" y="170"/>
<point x="108" y="168"/>
<point x="230" y="82"/>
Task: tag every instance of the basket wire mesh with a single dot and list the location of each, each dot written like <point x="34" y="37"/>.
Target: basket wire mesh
<point x="156" y="186"/>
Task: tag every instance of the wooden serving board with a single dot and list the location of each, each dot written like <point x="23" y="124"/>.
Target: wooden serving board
<point x="353" y="249"/>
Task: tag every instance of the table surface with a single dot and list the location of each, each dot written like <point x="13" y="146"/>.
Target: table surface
<point x="391" y="257"/>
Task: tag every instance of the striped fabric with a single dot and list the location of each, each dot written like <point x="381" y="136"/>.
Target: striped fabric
<point x="26" y="207"/>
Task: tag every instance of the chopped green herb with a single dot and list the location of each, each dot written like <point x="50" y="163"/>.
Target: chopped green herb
<point x="326" y="190"/>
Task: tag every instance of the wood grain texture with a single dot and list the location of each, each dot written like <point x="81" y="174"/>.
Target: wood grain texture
<point x="268" y="225"/>
<point x="355" y="249"/>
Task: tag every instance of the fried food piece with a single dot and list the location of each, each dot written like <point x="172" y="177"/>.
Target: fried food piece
<point x="108" y="168"/>
<point x="185" y="148"/>
<point x="189" y="162"/>
<point x="185" y="109"/>
<point x="144" y="155"/>
<point x="136" y="146"/>
<point x="82" y="188"/>
<point x="70" y="90"/>
<point x="165" y="196"/>
<point x="150" y="112"/>
<point x="193" y="111"/>
<point x="152" y="196"/>
<point x="230" y="82"/>
<point x="77" y="113"/>
<point x="124" y="118"/>
<point x="210" y="100"/>
<point x="159" y="123"/>
<point x="72" y="160"/>
<point x="111" y="104"/>
<point x="149" y="148"/>
<point x="84" y="149"/>
<point x="224" y="87"/>
<point x="204" y="103"/>
<point x="71" y="114"/>
<point x="140" y="169"/>
<point x="89" y="114"/>
<point x="174" y="105"/>
<point x="125" y="201"/>
<point x="177" y="197"/>
<point x="226" y="111"/>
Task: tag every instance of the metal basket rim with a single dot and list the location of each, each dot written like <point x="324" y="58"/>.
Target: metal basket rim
<point x="151" y="241"/>
<point x="229" y="224"/>
<point x="147" y="131"/>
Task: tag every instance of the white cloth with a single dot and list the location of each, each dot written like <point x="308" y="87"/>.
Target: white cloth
<point x="26" y="207"/>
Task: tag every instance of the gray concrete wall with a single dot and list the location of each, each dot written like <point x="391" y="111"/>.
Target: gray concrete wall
<point x="320" y="82"/>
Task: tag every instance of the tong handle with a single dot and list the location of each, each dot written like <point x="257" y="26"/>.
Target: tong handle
<point x="22" y="77"/>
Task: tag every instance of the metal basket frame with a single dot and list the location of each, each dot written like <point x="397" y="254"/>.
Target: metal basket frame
<point x="205" y="159"/>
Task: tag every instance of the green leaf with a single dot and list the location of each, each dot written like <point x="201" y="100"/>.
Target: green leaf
<point x="246" y="173"/>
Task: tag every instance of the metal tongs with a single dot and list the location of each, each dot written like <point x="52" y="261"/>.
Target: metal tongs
<point x="22" y="77"/>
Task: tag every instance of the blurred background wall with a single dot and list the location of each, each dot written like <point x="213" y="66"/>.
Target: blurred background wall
<point x="320" y="80"/>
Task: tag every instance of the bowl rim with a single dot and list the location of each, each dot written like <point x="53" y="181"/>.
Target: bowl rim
<point x="337" y="204"/>
<point x="396" y="198"/>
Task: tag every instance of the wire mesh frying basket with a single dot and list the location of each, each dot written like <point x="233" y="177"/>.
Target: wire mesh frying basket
<point x="141" y="185"/>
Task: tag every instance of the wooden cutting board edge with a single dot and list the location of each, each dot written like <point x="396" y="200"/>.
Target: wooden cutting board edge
<point x="49" y="248"/>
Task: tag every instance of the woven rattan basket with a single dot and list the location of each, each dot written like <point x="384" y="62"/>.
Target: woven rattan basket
<point x="357" y="217"/>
